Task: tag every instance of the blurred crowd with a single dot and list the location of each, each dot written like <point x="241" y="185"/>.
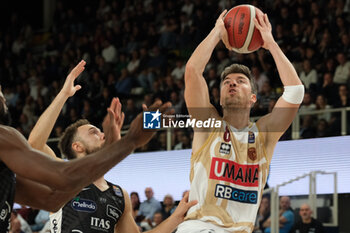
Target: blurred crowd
<point x="137" y="50"/>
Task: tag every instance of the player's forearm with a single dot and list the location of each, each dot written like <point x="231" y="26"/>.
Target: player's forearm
<point x="288" y="75"/>
<point x="42" y="129"/>
<point x="40" y="196"/>
<point x="202" y="53"/>
<point x="169" y="225"/>
<point x="81" y="172"/>
<point x="65" y="176"/>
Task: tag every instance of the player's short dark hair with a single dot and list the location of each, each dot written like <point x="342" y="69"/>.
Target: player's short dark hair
<point x="65" y="143"/>
<point x="239" y="68"/>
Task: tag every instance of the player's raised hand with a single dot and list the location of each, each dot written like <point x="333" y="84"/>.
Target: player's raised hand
<point x="113" y="122"/>
<point x="264" y="26"/>
<point x="69" y="88"/>
<point x="220" y="25"/>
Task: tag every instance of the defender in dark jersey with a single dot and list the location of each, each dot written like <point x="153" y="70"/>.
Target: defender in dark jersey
<point x="44" y="183"/>
<point x="99" y="206"/>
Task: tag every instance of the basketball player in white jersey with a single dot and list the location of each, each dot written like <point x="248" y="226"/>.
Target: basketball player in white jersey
<point x="229" y="165"/>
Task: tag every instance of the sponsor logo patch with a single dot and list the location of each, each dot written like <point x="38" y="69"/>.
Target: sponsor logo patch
<point x="83" y="205"/>
<point x="227" y="136"/>
<point x="251" y="137"/>
<point x="113" y="212"/>
<point x="117" y="191"/>
<point x="235" y="173"/>
<point x="252" y="153"/>
<point x="100" y="224"/>
<point x="234" y="194"/>
<point x="225" y="148"/>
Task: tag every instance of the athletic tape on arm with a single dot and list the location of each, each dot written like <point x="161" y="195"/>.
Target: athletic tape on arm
<point x="294" y="94"/>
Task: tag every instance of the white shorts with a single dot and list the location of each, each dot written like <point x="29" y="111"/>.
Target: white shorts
<point x="197" y="226"/>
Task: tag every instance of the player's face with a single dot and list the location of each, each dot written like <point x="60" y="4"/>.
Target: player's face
<point x="236" y="91"/>
<point x="91" y="137"/>
<point x="5" y="118"/>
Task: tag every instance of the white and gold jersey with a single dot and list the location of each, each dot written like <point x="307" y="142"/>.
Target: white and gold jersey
<point x="228" y="174"/>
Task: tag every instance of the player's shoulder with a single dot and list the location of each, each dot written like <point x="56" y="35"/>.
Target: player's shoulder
<point x="10" y="135"/>
<point x="118" y="191"/>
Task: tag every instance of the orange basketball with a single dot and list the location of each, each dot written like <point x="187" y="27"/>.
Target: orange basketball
<point x="242" y="34"/>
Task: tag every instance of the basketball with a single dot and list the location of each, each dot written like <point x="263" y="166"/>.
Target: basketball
<point x="242" y="34"/>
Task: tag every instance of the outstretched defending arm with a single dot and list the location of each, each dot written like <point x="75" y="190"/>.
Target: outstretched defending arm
<point x="76" y="174"/>
<point x="42" y="129"/>
<point x="278" y="121"/>
<point x="196" y="89"/>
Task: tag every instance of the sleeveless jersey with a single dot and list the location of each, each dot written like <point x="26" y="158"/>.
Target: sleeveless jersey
<point x="7" y="194"/>
<point x="92" y="210"/>
<point x="228" y="174"/>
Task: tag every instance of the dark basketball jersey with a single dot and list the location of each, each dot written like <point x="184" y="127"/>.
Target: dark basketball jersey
<point x="7" y="194"/>
<point x="92" y="210"/>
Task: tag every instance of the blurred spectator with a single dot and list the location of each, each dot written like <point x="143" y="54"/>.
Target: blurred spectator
<point x="322" y="129"/>
<point x="130" y="111"/>
<point x="286" y="219"/>
<point x="263" y="212"/>
<point x="215" y="98"/>
<point x="157" y="219"/>
<point x="184" y="142"/>
<point x="187" y="7"/>
<point x="168" y="206"/>
<point x="259" y="77"/>
<point x="135" y="203"/>
<point x="307" y="129"/>
<point x="177" y="102"/>
<point x="109" y="52"/>
<point x="40" y="220"/>
<point x="307" y="223"/>
<point x="149" y="206"/>
<point x="308" y="76"/>
<point x="307" y="104"/>
<point x="321" y="104"/>
<point x="343" y="99"/>
<point x="15" y="225"/>
<point x="179" y="71"/>
<point x="212" y="78"/>
<point x="124" y="83"/>
<point x="329" y="89"/>
<point x="266" y="95"/>
<point x="146" y="78"/>
<point x="223" y="61"/>
<point x="134" y="63"/>
<point x="342" y="71"/>
<point x="25" y="228"/>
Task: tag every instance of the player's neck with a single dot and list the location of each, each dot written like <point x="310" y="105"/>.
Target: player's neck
<point x="101" y="184"/>
<point x="238" y="118"/>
